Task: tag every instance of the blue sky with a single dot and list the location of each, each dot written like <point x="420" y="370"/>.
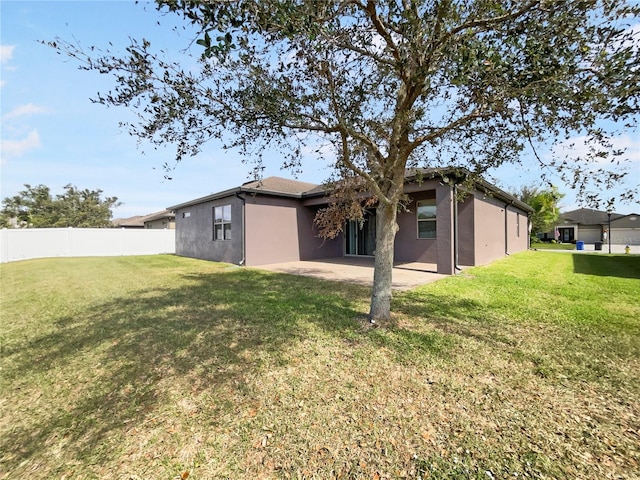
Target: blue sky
<point x="52" y="133"/>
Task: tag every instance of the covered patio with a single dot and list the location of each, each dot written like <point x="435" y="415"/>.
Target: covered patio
<point x="359" y="270"/>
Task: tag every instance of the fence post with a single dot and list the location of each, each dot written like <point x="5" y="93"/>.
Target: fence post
<point x="68" y="251"/>
<point x="4" y="247"/>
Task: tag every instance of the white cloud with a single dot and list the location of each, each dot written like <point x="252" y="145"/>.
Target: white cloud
<point x="6" y="53"/>
<point x="16" y="148"/>
<point x="22" y="110"/>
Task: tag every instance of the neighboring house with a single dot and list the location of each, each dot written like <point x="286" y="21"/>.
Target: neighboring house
<point x="163" y="219"/>
<point x="590" y="226"/>
<point x="625" y="230"/>
<point x="271" y="221"/>
<point x="130" y="222"/>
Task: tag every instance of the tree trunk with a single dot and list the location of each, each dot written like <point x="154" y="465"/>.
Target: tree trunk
<point x="386" y="229"/>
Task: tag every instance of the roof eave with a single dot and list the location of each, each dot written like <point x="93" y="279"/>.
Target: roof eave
<point x="208" y="198"/>
<point x="504" y="196"/>
<point x="273" y="193"/>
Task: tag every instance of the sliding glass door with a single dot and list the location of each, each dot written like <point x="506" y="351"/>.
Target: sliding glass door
<point x="361" y="236"/>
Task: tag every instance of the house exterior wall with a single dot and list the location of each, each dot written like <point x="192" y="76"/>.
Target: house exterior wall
<point x="313" y="247"/>
<point x="282" y="230"/>
<point x="489" y="236"/>
<point x="466" y="229"/>
<point x="160" y="224"/>
<point x="408" y="247"/>
<point x="487" y="229"/>
<point x="517" y="228"/>
<point x="444" y="229"/>
<point x="271" y="230"/>
<point x="194" y="232"/>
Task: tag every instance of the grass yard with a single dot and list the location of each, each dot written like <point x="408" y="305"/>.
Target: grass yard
<point x="164" y="367"/>
<point x="552" y="246"/>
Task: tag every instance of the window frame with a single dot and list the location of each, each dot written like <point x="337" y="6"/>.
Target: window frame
<point x="431" y="203"/>
<point x="222" y="222"/>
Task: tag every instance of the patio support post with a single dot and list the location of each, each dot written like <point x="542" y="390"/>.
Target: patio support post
<point x="444" y="229"/>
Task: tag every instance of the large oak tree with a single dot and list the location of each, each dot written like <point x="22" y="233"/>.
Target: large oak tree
<point x="391" y="84"/>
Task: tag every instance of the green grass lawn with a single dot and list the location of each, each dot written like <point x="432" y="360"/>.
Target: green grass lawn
<point x="552" y="246"/>
<point x="163" y="367"/>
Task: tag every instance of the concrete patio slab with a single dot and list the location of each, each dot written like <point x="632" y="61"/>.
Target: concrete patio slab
<point x="359" y="271"/>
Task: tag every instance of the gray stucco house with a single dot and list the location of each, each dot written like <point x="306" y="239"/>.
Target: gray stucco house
<point x="590" y="226"/>
<point x="271" y="221"/>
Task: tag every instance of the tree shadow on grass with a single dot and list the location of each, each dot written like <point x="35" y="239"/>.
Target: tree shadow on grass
<point x="450" y="316"/>
<point x="214" y="329"/>
<point x="623" y="266"/>
<point x="113" y="359"/>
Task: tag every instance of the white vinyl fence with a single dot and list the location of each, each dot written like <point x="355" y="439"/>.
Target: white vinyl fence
<point x="24" y="243"/>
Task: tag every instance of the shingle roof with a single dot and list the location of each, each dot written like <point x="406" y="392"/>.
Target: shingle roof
<point x="159" y="215"/>
<point x="135" y="221"/>
<point x="588" y="216"/>
<point x="293" y="188"/>
<point x="138" y="220"/>
<point x="279" y="185"/>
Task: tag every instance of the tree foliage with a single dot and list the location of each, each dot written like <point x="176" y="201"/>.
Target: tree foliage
<point x="545" y="205"/>
<point x="35" y="207"/>
<point x="391" y="84"/>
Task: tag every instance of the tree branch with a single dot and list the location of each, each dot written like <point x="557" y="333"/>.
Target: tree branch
<point x="439" y="132"/>
<point x="487" y="22"/>
<point x="370" y="9"/>
<point x="345" y="132"/>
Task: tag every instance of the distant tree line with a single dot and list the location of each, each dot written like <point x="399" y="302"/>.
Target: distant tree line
<point x="36" y="207"/>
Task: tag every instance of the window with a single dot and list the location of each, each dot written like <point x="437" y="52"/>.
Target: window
<point x="222" y="222"/>
<point x="186" y="214"/>
<point x="427" y="218"/>
<point x="517" y="224"/>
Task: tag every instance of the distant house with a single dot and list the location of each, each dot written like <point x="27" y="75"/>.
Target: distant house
<point x="130" y="222"/>
<point x="592" y="226"/>
<point x="271" y="221"/>
<point x="625" y="230"/>
<point x="163" y="219"/>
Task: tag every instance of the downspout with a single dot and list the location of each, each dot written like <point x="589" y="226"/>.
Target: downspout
<point x="455" y="228"/>
<point x="506" y="227"/>
<point x="244" y="229"/>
